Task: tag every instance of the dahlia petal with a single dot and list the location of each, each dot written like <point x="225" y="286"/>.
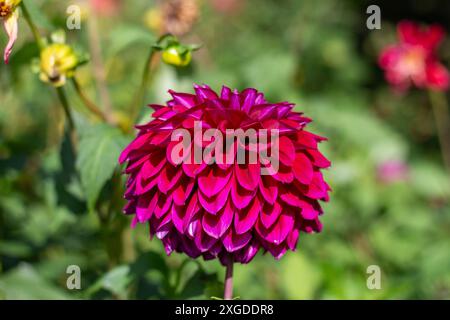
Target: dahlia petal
<point x="178" y="215"/>
<point x="217" y="225"/>
<point x="212" y="180"/>
<point x="168" y="177"/>
<point x="306" y="140"/>
<point x="193" y="227"/>
<point x="233" y="242"/>
<point x="234" y="101"/>
<point x="317" y="189"/>
<point x="182" y="191"/>
<point x="215" y="203"/>
<point x="249" y="99"/>
<point x="189" y="247"/>
<point x="292" y="239"/>
<point x="144" y="185"/>
<point x="203" y="241"/>
<point x="135" y="144"/>
<point x="163" y="205"/>
<point x="284" y="174"/>
<point x="310" y="226"/>
<point x="279" y="231"/>
<point x="246" y="254"/>
<point x="205" y="93"/>
<point x="145" y="207"/>
<point x="277" y="251"/>
<point x="225" y="93"/>
<point x="286" y="151"/>
<point x="303" y="169"/>
<point x="185" y="99"/>
<point x="193" y="206"/>
<point x="318" y="159"/>
<point x="153" y="166"/>
<point x="268" y="188"/>
<point x="245" y="219"/>
<point x="270" y="214"/>
<point x="240" y="196"/>
<point x="161" y="226"/>
<point x="248" y="175"/>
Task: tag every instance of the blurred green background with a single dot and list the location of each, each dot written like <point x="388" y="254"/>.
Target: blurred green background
<point x="390" y="201"/>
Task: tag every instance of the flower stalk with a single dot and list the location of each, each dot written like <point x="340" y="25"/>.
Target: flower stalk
<point x="139" y="97"/>
<point x="228" y="290"/>
<point x="442" y="119"/>
<point x="33" y="28"/>
<point x="87" y="102"/>
<point x="65" y="104"/>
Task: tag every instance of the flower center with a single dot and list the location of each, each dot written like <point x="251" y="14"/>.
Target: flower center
<point x="413" y="62"/>
<point x="5" y="10"/>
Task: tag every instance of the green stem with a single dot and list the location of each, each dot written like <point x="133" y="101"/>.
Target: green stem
<point x="87" y="102"/>
<point x="65" y="104"/>
<point x="442" y="119"/>
<point x="34" y="30"/>
<point x="139" y="97"/>
<point x="228" y="290"/>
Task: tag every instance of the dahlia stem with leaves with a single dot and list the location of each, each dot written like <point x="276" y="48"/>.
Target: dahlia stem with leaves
<point x="441" y="114"/>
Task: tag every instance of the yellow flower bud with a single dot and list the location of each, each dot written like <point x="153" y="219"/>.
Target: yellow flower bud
<point x="58" y="62"/>
<point x="175" y="56"/>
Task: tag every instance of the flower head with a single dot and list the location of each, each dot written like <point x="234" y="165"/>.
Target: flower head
<point x="57" y="63"/>
<point x="413" y="59"/>
<point x="10" y="16"/>
<point x="215" y="205"/>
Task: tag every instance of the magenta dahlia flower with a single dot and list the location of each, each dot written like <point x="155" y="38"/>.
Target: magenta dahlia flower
<point x="413" y="60"/>
<point x="225" y="209"/>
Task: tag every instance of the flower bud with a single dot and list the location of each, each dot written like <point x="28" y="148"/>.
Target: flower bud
<point x="58" y="62"/>
<point x="177" y="55"/>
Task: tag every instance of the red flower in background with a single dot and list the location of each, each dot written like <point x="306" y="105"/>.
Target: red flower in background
<point x="413" y="60"/>
<point x="225" y="211"/>
<point x="106" y="7"/>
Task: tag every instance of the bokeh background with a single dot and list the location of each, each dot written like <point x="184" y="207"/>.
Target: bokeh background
<point x="390" y="200"/>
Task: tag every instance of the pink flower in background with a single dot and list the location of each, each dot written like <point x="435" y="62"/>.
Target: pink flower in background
<point x="413" y="60"/>
<point x="393" y="171"/>
<point x="225" y="211"/>
<point x="106" y="7"/>
<point x="10" y="16"/>
<point x="228" y="6"/>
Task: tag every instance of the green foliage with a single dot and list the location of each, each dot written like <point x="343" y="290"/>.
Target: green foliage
<point x="99" y="149"/>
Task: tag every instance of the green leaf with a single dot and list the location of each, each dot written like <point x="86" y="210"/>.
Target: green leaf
<point x="25" y="283"/>
<point x="115" y="281"/>
<point x="99" y="149"/>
